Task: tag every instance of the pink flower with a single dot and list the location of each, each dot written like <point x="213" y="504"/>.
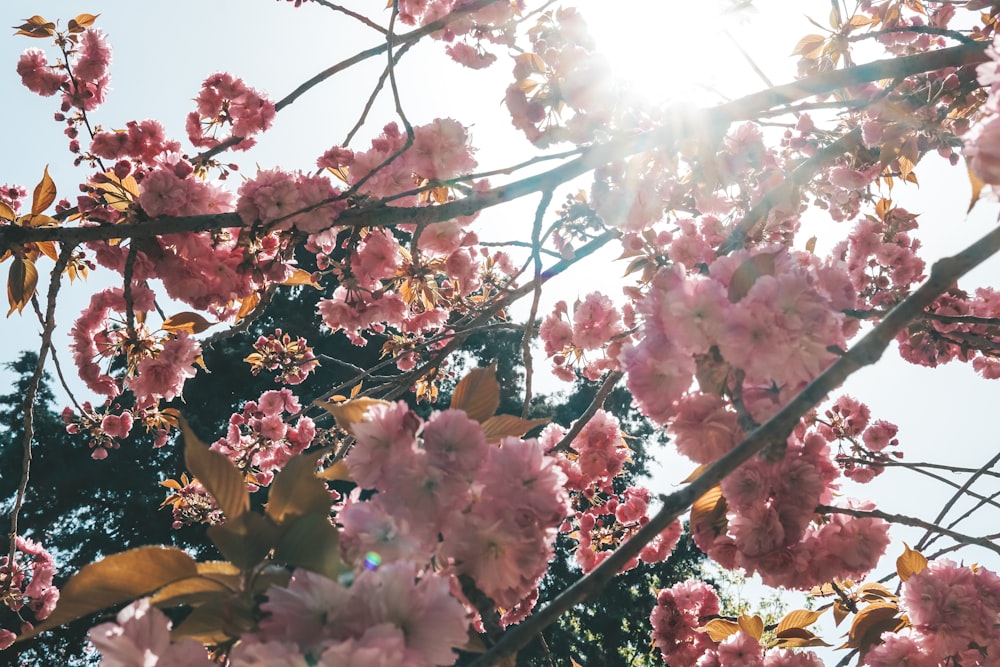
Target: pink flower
<point x="163" y="376"/>
<point x="93" y="57"/>
<point x="37" y="75"/>
<point x="140" y="637"/>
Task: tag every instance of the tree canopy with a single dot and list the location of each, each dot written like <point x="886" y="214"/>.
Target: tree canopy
<point x="321" y="370"/>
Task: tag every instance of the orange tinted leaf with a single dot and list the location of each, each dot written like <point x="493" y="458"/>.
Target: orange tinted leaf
<point x="297" y="490"/>
<point x="85" y="20"/>
<point x="48" y="248"/>
<point x="301" y="277"/>
<point x="37" y="27"/>
<point x="37" y="220"/>
<point x="747" y="273"/>
<point x="45" y="193"/>
<point x="119" y="193"/>
<point x="800" y="618"/>
<point x="710" y="510"/>
<point x="217" y="473"/>
<point x="193" y="323"/>
<point x="503" y="426"/>
<point x="872" y="617"/>
<point x="212" y="622"/>
<point x="752" y="625"/>
<point x="21" y="283"/>
<point x="118" y="578"/>
<point x="350" y="412"/>
<point x="810" y="46"/>
<point x="977" y="185"/>
<point x="478" y="394"/>
<point x="247" y="305"/>
<point x="6" y="212"/>
<point x="338" y="471"/>
<point x="719" y="628"/>
<point x="911" y="562"/>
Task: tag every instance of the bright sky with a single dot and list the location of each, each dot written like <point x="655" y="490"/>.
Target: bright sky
<point x="669" y="50"/>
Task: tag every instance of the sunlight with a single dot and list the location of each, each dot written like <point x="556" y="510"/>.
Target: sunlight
<point x="685" y="51"/>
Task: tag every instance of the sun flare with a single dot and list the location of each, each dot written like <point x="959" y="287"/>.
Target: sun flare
<point x="670" y="51"/>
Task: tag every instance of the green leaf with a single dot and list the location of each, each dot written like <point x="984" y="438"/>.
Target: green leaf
<point x="246" y="540"/>
<point x="121" y="577"/>
<point x="297" y="490"/>
<point x="313" y="543"/>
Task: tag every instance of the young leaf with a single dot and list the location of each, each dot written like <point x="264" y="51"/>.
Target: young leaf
<point x="312" y="542"/>
<point x="44" y="195"/>
<point x="246" y="540"/>
<point x="478" y="394"/>
<point x="36" y="27"/>
<point x="710" y="509"/>
<point x="6" y="212"/>
<point x="503" y="426"/>
<point x="977" y="185"/>
<point x="21" y="283"/>
<point x="301" y="277"/>
<point x="118" y="578"/>
<point x="193" y="323"/>
<point x="217" y="473"/>
<point x="911" y="562"/>
<point x="747" y="273"/>
<point x="800" y="618"/>
<point x="752" y="625"/>
<point x="350" y="412"/>
<point x="719" y="628"/>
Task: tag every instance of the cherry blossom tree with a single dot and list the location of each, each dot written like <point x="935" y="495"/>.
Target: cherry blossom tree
<point x="733" y="332"/>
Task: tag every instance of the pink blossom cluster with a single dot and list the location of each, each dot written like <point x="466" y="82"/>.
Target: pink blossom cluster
<point x="143" y="141"/>
<point x="596" y="325"/>
<point x="381" y="286"/>
<point x="440" y="151"/>
<point x="94" y="337"/>
<point x="395" y="615"/>
<point x="861" y="442"/>
<point x="777" y="325"/>
<point x="492" y="24"/>
<point x="104" y="429"/>
<point x="680" y="613"/>
<point x="958" y="326"/>
<point x="283" y="200"/>
<point x="26" y="586"/>
<point x="293" y="360"/>
<point x="140" y="635"/>
<point x="259" y="440"/>
<point x="770" y="525"/>
<point x="489" y="511"/>
<point x="953" y="612"/>
<point x="561" y="72"/>
<point x="191" y="504"/>
<point x="226" y="100"/>
<point x="881" y="255"/>
<point x="603" y="518"/>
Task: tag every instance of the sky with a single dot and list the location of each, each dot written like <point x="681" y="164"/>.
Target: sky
<point x="672" y="51"/>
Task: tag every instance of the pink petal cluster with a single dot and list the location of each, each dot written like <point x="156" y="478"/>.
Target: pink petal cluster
<point x="490" y="511"/>
<point x="140" y="635"/>
<point x="769" y="522"/>
<point x="94" y="339"/>
<point x="284" y="200"/>
<point x="259" y="440"/>
<point x="679" y="611"/>
<point x="27" y="586"/>
<point x="37" y="75"/>
<point x="225" y="100"/>
<point x="143" y="141"/>
<point x="163" y="375"/>
<point x="596" y="325"/>
<point x="293" y="360"/>
<point x="393" y="615"/>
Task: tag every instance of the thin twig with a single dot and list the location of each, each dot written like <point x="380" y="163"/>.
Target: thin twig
<point x="610" y="380"/>
<point x="536" y="258"/>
